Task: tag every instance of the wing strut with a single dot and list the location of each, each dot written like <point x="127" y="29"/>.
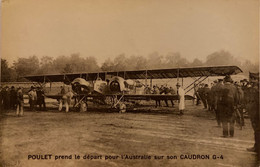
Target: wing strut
<point x="118" y="101"/>
<point x="193" y="82"/>
<point x="202" y="79"/>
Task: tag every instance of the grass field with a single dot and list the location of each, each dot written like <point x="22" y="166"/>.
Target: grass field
<point x="145" y="131"/>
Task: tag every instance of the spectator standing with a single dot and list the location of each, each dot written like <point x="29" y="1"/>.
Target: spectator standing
<point x="33" y="96"/>
<point x="172" y="92"/>
<point x="13" y="98"/>
<point x="207" y="97"/>
<point x="1" y="98"/>
<point x="20" y="102"/>
<point x="41" y="98"/>
<point x="240" y="105"/>
<point x="252" y="105"/>
<point x="181" y="94"/>
<point x="6" y="98"/>
<point x="228" y="103"/>
<point x="156" y="90"/>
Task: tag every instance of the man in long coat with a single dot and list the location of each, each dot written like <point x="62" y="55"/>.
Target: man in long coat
<point x="181" y="94"/>
<point x="228" y="100"/>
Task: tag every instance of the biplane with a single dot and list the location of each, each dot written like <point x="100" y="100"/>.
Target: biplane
<point x="123" y="85"/>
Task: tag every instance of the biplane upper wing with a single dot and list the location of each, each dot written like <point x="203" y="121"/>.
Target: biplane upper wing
<point x="141" y="74"/>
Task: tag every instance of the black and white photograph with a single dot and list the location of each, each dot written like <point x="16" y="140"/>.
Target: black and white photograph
<point x="122" y="83"/>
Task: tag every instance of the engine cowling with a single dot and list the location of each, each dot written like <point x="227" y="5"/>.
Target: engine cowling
<point x="116" y="84"/>
<point x="119" y="84"/>
<point x="80" y="85"/>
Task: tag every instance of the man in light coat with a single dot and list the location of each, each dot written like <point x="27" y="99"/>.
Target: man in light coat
<point x="66" y="99"/>
<point x="181" y="94"/>
<point x="33" y="96"/>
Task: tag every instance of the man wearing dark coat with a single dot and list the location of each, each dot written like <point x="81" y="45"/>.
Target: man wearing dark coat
<point x="206" y="91"/>
<point x="41" y="98"/>
<point x="1" y="98"/>
<point x="252" y="105"/>
<point x="13" y="98"/>
<point x="202" y="95"/>
<point x="213" y="95"/>
<point x="227" y="104"/>
<point x="240" y="107"/>
<point x="217" y="103"/>
<point x="6" y="98"/>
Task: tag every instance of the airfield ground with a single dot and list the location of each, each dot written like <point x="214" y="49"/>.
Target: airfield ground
<point x="157" y="132"/>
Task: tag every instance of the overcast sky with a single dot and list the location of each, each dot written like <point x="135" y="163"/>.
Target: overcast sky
<point x="106" y="28"/>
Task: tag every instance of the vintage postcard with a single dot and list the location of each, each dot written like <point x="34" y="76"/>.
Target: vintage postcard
<point x="129" y="83"/>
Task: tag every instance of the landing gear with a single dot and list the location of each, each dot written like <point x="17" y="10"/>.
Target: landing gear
<point x="122" y="107"/>
<point x="83" y="106"/>
<point x="119" y="104"/>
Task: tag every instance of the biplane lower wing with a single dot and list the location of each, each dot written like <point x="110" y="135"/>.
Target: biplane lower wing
<point x="130" y="96"/>
<point x="153" y="97"/>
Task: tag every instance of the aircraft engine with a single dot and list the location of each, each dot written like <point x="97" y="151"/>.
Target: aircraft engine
<point x="80" y="85"/>
<point x="116" y="84"/>
<point x="119" y="84"/>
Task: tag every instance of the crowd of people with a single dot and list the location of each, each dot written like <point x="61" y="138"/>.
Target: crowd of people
<point x="167" y="90"/>
<point x="163" y="90"/>
<point x="12" y="98"/>
<point x="230" y="101"/>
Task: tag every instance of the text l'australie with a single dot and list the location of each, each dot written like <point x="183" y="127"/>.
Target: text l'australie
<point x="124" y="157"/>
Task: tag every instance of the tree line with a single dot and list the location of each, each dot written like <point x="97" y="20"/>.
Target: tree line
<point x="76" y="63"/>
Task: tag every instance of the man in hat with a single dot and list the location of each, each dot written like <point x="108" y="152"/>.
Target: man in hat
<point x="202" y="96"/>
<point x="66" y="99"/>
<point x="206" y="91"/>
<point x="240" y="106"/>
<point x="30" y="99"/>
<point x="227" y="104"/>
<point x="13" y="97"/>
<point x="41" y="98"/>
<point x="156" y="91"/>
<point x="213" y="94"/>
<point x="196" y="93"/>
<point x="6" y="98"/>
<point x="171" y="92"/>
<point x="33" y="97"/>
<point x="252" y="105"/>
<point x="181" y="94"/>
<point x="217" y="104"/>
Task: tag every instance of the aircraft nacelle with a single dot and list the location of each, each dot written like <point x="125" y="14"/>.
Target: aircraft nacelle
<point x="119" y="84"/>
<point x="100" y="86"/>
<point x="80" y="85"/>
<point x="115" y="85"/>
